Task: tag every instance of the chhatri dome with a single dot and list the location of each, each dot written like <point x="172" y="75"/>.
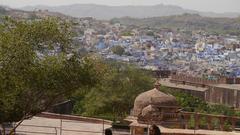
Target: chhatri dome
<point x="150" y="98"/>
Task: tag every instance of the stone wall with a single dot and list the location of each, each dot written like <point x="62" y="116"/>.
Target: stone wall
<point x="195" y="81"/>
<point x="216" y="95"/>
<point x="223" y="96"/>
<point x="233" y="80"/>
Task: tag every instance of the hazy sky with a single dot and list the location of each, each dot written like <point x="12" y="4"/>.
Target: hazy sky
<point x="200" y="5"/>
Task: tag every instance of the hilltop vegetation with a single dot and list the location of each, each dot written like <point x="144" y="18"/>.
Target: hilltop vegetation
<point x="188" y="22"/>
<point x="20" y="14"/>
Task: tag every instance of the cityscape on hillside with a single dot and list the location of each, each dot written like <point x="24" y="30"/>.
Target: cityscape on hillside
<point x="160" y="68"/>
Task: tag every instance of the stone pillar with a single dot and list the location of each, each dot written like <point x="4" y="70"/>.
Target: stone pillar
<point x="186" y="120"/>
<point x="235" y="99"/>
<point x="131" y="130"/>
<point x="1" y="128"/>
<point x="222" y="121"/>
<point x="138" y="131"/>
<point x="196" y="118"/>
<point x="161" y="114"/>
<point x="209" y="122"/>
<point x="233" y="122"/>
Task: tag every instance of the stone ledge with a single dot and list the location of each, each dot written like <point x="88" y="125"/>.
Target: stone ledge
<point x="73" y="117"/>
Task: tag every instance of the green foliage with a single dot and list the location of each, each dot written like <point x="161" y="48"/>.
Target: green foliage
<point x="150" y="33"/>
<point x="191" y="122"/>
<point x="29" y="82"/>
<point x="127" y="33"/>
<point x="33" y="16"/>
<point x="191" y="103"/>
<point x="194" y="104"/>
<point x="222" y="109"/>
<point x="114" y="21"/>
<point x="118" y="50"/>
<point x="188" y="102"/>
<point x="114" y="95"/>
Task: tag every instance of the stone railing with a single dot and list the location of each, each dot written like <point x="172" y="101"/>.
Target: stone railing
<point x="209" y="120"/>
<point x="181" y="120"/>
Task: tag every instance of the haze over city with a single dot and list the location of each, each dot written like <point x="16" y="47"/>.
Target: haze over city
<point x="218" y="6"/>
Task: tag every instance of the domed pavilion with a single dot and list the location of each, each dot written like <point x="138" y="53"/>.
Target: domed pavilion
<point x="153" y="100"/>
<point x="153" y="107"/>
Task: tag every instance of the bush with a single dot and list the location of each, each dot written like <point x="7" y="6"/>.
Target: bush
<point x="118" y="50"/>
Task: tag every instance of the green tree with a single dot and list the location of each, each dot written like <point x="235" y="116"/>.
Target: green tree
<point x="114" y="95"/>
<point x="118" y="50"/>
<point x="150" y="33"/>
<point x="33" y="75"/>
<point x="127" y="33"/>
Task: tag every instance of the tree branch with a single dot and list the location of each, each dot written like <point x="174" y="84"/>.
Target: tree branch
<point x="19" y="123"/>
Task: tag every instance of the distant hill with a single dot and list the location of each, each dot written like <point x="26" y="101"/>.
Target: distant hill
<point x="109" y="12"/>
<point x="17" y="13"/>
<point x="3" y="10"/>
<point x="187" y="22"/>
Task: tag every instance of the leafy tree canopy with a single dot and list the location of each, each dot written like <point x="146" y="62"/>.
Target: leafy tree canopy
<point x="115" y="94"/>
<point x="118" y="50"/>
<point x="36" y="68"/>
